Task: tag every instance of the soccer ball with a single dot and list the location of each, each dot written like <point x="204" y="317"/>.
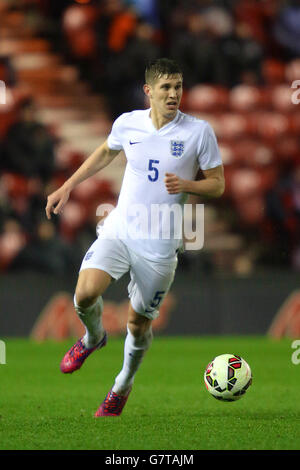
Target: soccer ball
<point x="227" y="377"/>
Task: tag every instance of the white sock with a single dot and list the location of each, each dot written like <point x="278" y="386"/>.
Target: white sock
<point x="134" y="351"/>
<point x="91" y="317"/>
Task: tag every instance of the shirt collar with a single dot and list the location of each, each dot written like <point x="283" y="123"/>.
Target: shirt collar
<point x="166" y="127"/>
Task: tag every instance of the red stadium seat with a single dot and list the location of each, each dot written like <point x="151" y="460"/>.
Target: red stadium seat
<point x="76" y="17"/>
<point x="68" y="159"/>
<point x="207" y="98"/>
<point x="273" y="71"/>
<point x="15" y="185"/>
<point x="292" y="71"/>
<point x="228" y="153"/>
<point x="83" y="44"/>
<point x="281" y="98"/>
<point x="78" y="26"/>
<point x="93" y="189"/>
<point x="252" y="153"/>
<point x="288" y="150"/>
<point x="263" y="155"/>
<point x="183" y="103"/>
<point x="247" y="98"/>
<point x="72" y="218"/>
<point x="251" y="210"/>
<point x="9" y="109"/>
<point x="11" y="243"/>
<point x="272" y="125"/>
<point x="86" y="191"/>
<point x="233" y="125"/>
<point x="246" y="182"/>
<point x="295" y="122"/>
<point x="7" y="118"/>
<point x="14" y="46"/>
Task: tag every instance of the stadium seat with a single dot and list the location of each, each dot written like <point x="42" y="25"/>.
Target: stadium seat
<point x="251" y="210"/>
<point x="92" y="189"/>
<point x="68" y="159"/>
<point x="72" y="219"/>
<point x="11" y="243"/>
<point x="295" y="122"/>
<point x="246" y="182"/>
<point x="76" y="17"/>
<point x="263" y="155"/>
<point x="288" y="150"/>
<point x="273" y="71"/>
<point x="252" y="153"/>
<point x="47" y="73"/>
<point x="86" y="190"/>
<point x="272" y="125"/>
<point x="207" y="98"/>
<point x="247" y="152"/>
<point x="281" y="98"/>
<point x="183" y="103"/>
<point x="14" y="185"/>
<point x="247" y="98"/>
<point x="12" y="46"/>
<point x="9" y="109"/>
<point x="7" y="118"/>
<point x="83" y="44"/>
<point x="78" y="26"/>
<point x="233" y="125"/>
<point x="292" y="71"/>
<point x="228" y="153"/>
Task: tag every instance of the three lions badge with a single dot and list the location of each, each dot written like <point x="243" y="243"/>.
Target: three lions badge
<point x="177" y="148"/>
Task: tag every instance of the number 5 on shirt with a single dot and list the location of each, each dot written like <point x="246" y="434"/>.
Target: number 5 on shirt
<point x="152" y="168"/>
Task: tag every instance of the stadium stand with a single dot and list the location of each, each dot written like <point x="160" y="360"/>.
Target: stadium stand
<point x="74" y="59"/>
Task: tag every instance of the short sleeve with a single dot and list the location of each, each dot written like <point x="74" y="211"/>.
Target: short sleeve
<point x="114" y="139"/>
<point x="209" y="153"/>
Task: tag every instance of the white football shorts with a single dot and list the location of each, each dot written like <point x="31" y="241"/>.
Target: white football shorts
<point x="150" y="280"/>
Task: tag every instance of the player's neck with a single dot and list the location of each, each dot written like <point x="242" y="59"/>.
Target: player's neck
<point x="159" y="120"/>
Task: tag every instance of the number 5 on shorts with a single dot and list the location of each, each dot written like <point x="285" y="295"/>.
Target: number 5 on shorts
<point x="157" y="298"/>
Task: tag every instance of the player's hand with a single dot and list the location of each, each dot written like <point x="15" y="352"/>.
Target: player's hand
<point x="173" y="183"/>
<point x="56" y="201"/>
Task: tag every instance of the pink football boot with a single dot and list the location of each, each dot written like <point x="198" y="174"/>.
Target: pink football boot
<point x="113" y="404"/>
<point x="78" y="353"/>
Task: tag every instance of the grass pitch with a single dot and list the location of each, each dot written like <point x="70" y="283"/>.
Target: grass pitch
<point x="169" y="407"/>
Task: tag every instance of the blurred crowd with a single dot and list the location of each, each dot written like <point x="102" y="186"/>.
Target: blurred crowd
<point x="248" y="47"/>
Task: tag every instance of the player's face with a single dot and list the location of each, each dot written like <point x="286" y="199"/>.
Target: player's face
<point x="165" y="95"/>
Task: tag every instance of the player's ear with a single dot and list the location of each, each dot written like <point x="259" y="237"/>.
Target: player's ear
<point x="147" y="90"/>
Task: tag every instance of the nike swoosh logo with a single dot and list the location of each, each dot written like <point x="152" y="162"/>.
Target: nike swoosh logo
<point x="132" y="143"/>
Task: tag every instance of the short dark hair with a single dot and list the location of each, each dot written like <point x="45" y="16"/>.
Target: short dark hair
<point x="159" y="67"/>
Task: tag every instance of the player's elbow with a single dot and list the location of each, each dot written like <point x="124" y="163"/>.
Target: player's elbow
<point x="219" y="188"/>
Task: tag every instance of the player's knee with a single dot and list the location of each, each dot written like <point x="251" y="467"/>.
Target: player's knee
<point x="91" y="284"/>
<point x="85" y="297"/>
<point x="141" y="330"/>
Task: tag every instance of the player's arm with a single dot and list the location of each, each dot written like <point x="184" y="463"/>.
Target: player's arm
<point x="99" y="159"/>
<point x="213" y="184"/>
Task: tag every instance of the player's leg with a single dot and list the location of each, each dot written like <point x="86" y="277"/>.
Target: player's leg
<point x="137" y="342"/>
<point x="89" y="306"/>
<point x="105" y="260"/>
<point x="149" y="284"/>
<point x="88" y="302"/>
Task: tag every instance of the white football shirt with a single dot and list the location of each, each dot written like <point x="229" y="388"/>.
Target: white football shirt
<point x="142" y="217"/>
